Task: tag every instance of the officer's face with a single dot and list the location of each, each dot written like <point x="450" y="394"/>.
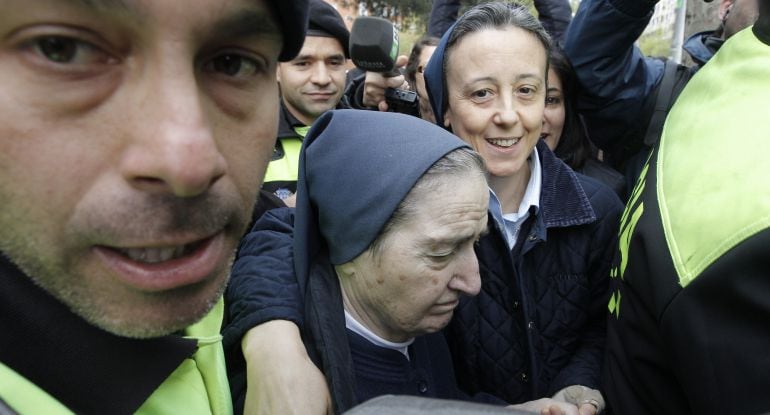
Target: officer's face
<point x="133" y="138"/>
<point x="314" y="81"/>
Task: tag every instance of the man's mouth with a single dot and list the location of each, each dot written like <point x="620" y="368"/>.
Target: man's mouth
<point x="321" y="94"/>
<point x="156" y="255"/>
<point x="503" y="142"/>
<point x="165" y="267"/>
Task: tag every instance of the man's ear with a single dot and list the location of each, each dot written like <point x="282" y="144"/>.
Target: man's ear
<point x="724" y="9"/>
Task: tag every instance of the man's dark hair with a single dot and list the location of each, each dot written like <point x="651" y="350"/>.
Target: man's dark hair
<point x="414" y="57"/>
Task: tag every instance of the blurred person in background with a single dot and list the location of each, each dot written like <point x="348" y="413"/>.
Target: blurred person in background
<point x="563" y="129"/>
<point x="418" y="59"/>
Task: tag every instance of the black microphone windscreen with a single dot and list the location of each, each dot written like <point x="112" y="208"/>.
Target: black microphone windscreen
<point x="373" y="44"/>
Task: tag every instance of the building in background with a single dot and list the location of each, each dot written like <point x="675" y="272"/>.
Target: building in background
<point x="663" y="19"/>
<point x="348" y="9"/>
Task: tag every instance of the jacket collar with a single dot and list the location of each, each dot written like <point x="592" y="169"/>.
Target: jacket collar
<point x="85" y="368"/>
<point x="563" y="202"/>
<point x="287" y="122"/>
<point x="702" y="46"/>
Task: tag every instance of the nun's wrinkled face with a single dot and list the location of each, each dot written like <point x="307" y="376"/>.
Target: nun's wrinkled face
<point x="414" y="281"/>
<point x="496" y="82"/>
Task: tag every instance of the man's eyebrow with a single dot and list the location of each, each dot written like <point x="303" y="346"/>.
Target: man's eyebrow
<point x="245" y="23"/>
<point x="242" y="23"/>
<point x="109" y="5"/>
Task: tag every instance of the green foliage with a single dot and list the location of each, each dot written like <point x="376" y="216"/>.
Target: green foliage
<point x="656" y="44"/>
<point x="406" y="41"/>
<point x="411" y="16"/>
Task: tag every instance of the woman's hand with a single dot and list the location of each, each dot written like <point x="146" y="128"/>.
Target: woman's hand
<point x="589" y="401"/>
<point x="280" y="377"/>
<point x="547" y="406"/>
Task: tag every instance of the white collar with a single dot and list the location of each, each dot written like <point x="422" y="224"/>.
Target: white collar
<point x="353" y="325"/>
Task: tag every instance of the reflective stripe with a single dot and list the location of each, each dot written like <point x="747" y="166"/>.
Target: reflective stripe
<point x="286" y="168"/>
<point x="713" y="188"/>
<point x="25" y="397"/>
<point x="198" y="386"/>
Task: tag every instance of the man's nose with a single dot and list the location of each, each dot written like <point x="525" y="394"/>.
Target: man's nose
<point x="321" y="74"/>
<point x="172" y="147"/>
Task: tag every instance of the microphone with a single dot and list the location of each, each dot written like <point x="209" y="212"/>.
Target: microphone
<point x="374" y="45"/>
<point x="374" y="48"/>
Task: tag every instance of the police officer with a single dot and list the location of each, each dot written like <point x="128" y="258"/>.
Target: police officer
<point x="310" y="84"/>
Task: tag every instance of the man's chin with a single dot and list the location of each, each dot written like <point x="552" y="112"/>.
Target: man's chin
<point x="159" y="315"/>
<point x="152" y="327"/>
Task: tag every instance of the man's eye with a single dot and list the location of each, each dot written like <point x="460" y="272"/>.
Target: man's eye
<point x="58" y="49"/>
<point x="66" y="50"/>
<point x="235" y="65"/>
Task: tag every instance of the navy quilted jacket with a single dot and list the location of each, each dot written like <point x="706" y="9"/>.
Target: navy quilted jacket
<point x="538" y="324"/>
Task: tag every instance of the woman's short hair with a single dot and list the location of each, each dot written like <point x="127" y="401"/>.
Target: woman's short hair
<point x="496" y="15"/>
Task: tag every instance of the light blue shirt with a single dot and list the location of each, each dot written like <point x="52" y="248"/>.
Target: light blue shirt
<point x="511" y="222"/>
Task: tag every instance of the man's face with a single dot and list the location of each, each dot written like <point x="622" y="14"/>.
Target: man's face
<point x="737" y="15"/>
<point x="314" y="81"/>
<point x="133" y="138"/>
<point x="426" y="112"/>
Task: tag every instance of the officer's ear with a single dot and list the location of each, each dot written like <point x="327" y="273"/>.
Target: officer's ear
<point x="724" y="9"/>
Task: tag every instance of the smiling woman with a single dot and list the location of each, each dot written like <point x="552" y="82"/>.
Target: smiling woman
<point x="487" y="83"/>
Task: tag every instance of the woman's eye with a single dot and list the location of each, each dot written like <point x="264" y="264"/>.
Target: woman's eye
<point x="235" y="65"/>
<point x="442" y="256"/>
<point x="552" y="101"/>
<point x="480" y="94"/>
<point x="525" y="90"/>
